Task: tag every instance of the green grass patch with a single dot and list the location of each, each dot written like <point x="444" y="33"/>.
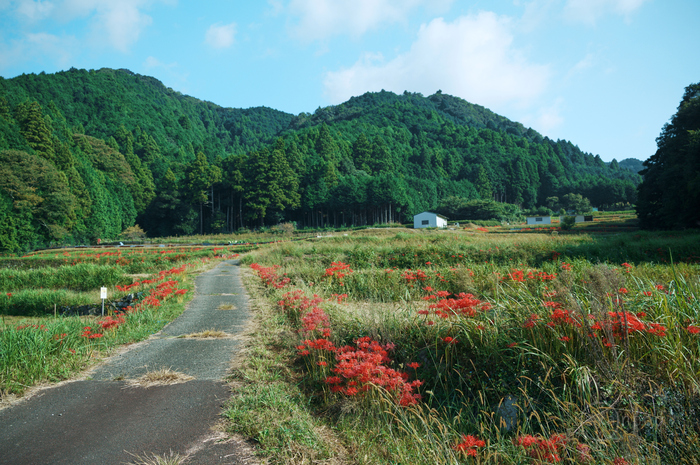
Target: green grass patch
<point x="550" y="348"/>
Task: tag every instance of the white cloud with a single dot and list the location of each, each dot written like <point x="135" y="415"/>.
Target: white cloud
<point x="320" y="19"/>
<point x="588" y="11"/>
<point x="472" y="57"/>
<point x="35" y="10"/>
<point x="546" y="119"/>
<point x="120" y="23"/>
<point x="37" y="46"/>
<point x="114" y="23"/>
<point x="154" y="63"/>
<point x="221" y="35"/>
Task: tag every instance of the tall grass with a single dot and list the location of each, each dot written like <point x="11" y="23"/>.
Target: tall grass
<point x="574" y="346"/>
<point x="49" y="349"/>
<point x="79" y="277"/>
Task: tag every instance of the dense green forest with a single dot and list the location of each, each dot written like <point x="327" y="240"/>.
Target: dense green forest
<point x="669" y="197"/>
<point x="87" y="154"/>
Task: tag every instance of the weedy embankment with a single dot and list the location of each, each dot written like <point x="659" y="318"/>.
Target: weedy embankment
<point x="473" y="347"/>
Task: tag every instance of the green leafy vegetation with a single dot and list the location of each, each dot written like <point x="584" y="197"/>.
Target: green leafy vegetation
<point x="524" y="348"/>
<point x="86" y="155"/>
<point x="669" y="197"/>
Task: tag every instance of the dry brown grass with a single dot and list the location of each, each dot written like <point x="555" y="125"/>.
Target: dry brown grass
<point x="207" y="334"/>
<point x="226" y="307"/>
<point x="162" y="377"/>
<point x="153" y="459"/>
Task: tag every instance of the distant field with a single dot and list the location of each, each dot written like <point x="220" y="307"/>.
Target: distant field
<point x="475" y="344"/>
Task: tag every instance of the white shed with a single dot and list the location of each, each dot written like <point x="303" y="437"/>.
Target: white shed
<point x="539" y="220"/>
<point x="429" y="220"/>
<point x="577" y="218"/>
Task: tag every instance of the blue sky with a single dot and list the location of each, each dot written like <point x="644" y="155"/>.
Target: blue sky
<point x="604" y="74"/>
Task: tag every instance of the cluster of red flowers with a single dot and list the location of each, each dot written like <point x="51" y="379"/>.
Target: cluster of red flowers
<point x="87" y="333"/>
<point x="539" y="448"/>
<point x="269" y="276"/>
<point x="340" y="297"/>
<point x="413" y="276"/>
<point x="364" y="366"/>
<point x="161" y="276"/>
<point x="157" y="295"/>
<point x="463" y="305"/>
<point x="519" y="276"/>
<point x="109" y="322"/>
<point x="338" y="270"/>
<point x="294" y="303"/>
<point x="357" y="368"/>
<point x="620" y="323"/>
<point x="627" y="266"/>
<point x="469" y="444"/>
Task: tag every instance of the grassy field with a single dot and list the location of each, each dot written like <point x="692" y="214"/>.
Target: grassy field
<point x="39" y="344"/>
<point x="475" y="346"/>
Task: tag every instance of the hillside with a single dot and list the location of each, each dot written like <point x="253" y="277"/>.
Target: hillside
<point x="121" y="142"/>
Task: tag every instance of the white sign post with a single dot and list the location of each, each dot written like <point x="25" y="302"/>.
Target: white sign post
<point x="103" y="296"/>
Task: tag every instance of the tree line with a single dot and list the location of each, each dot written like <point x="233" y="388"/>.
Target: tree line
<point x="85" y="155"/>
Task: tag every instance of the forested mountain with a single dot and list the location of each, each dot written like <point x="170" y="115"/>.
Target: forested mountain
<point x="86" y="154"/>
<point x="669" y="197"/>
<point x="631" y="164"/>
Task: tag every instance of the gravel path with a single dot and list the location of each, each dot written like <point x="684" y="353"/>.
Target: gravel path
<point x="106" y="420"/>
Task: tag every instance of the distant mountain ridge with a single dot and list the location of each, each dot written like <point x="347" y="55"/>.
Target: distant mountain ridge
<point x="194" y="166"/>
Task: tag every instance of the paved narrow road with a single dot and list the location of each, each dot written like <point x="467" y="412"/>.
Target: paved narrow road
<point x="105" y="420"/>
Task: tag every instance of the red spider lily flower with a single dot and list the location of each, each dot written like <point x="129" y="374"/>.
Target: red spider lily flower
<point x="659" y="287"/>
<point x="623" y="290"/>
<point x="413" y="365"/>
<point x="657" y="329"/>
<point x="512" y="344"/>
<point x="565" y="338"/>
<point x="449" y="340"/>
<point x="693" y="329"/>
<point x="322" y="364"/>
<point x="584" y="453"/>
<point x="627" y="266"/>
<point x="542" y="449"/>
<point x="469" y="444"/>
<point x="351" y="391"/>
<point x="9" y="294"/>
<point x="531" y="321"/>
<point x="646" y="293"/>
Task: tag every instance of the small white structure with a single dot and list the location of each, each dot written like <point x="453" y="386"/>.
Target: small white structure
<point x="539" y="220"/>
<point x="577" y="218"/>
<point x="429" y="220"/>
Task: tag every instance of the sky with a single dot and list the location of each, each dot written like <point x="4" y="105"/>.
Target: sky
<point x="603" y="74"/>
